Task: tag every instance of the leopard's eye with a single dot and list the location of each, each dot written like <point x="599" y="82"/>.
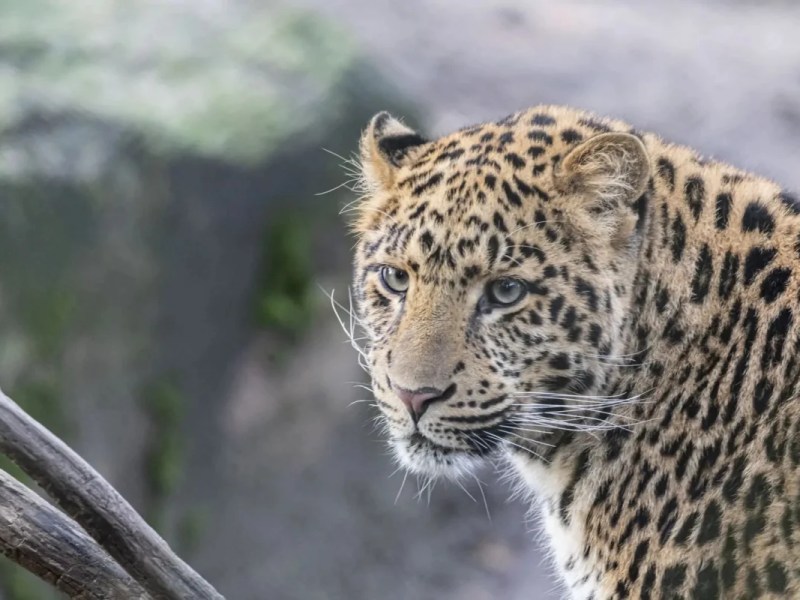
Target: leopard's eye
<point x="505" y="291"/>
<point x="394" y="280"/>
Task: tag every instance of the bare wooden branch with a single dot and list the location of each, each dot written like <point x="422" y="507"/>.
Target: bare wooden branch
<point x="49" y="544"/>
<point x="98" y="508"/>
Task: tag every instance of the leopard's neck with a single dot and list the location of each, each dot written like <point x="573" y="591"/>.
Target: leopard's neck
<point x="711" y="319"/>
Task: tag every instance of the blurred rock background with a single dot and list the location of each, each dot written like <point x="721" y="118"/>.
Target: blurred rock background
<point x="165" y="240"/>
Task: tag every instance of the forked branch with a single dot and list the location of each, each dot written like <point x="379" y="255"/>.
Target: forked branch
<point x="48" y="543"/>
<point x="97" y="507"/>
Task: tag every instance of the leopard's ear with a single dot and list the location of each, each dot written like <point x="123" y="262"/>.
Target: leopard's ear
<point x="600" y="181"/>
<point x="384" y="145"/>
<point x="609" y="169"/>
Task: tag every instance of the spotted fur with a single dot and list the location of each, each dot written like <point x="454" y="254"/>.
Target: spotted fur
<point x="645" y="387"/>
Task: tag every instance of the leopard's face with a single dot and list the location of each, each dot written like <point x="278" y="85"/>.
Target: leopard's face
<point x="492" y="291"/>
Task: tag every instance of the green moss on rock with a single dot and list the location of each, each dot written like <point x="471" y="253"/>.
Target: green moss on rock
<point x="164" y="407"/>
<point x="191" y="528"/>
<point x="18" y="584"/>
<point x="232" y="84"/>
<point x="286" y="299"/>
<point x="42" y="398"/>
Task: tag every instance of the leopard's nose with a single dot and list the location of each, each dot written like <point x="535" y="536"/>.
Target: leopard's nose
<point x="417" y="401"/>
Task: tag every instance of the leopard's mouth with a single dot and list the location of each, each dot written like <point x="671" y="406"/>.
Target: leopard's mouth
<point x="423" y="442"/>
<point x="423" y="455"/>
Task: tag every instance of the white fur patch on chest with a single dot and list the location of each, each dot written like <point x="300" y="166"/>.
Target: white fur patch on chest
<point x="566" y="541"/>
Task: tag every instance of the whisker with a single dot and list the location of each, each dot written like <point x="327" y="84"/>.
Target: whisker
<point x="483" y="496"/>
<point x="534" y="224"/>
<point x="362" y="401"/>
<point x="393" y="473"/>
<point x="363" y="386"/>
<point x="476" y="439"/>
<point x="470" y="496"/>
<point x="332" y="153"/>
<point x="572" y="395"/>
<point x="622" y="364"/>
<point x="402" y="485"/>
<point x="430" y="490"/>
<point x="582" y="398"/>
<point x="597" y="411"/>
<point x="349" y="328"/>
<point x="419" y="493"/>
<point x="333" y="189"/>
<point x="346" y="207"/>
<point x="576" y="424"/>
<point x="528" y="450"/>
<point x="555" y="417"/>
<point x="373" y="209"/>
<point x="629" y="354"/>
<point x="513" y="429"/>
<point x="561" y="406"/>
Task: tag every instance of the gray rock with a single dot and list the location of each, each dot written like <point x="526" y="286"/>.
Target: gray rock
<point x="145" y="149"/>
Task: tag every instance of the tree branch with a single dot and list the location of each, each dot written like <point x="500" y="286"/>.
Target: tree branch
<point x="49" y="544"/>
<point x="98" y="508"/>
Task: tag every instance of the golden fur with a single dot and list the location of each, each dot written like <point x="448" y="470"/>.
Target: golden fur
<point x="645" y="385"/>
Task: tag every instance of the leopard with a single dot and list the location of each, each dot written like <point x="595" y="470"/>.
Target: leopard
<point x="614" y="319"/>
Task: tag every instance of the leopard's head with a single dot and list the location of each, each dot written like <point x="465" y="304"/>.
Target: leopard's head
<point x="493" y="273"/>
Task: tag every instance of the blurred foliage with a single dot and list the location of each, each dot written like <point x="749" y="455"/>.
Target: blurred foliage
<point x="286" y="298"/>
<point x="46" y="317"/>
<point x="19" y="584"/>
<point x="37" y="245"/>
<point x="42" y="399"/>
<point x="39" y="394"/>
<point x="191" y="528"/>
<point x="164" y="406"/>
<point x="42" y="299"/>
<point x="107" y="110"/>
<point x="201" y="83"/>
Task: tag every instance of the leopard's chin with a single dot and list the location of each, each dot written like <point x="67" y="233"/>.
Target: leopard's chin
<point x="422" y="456"/>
